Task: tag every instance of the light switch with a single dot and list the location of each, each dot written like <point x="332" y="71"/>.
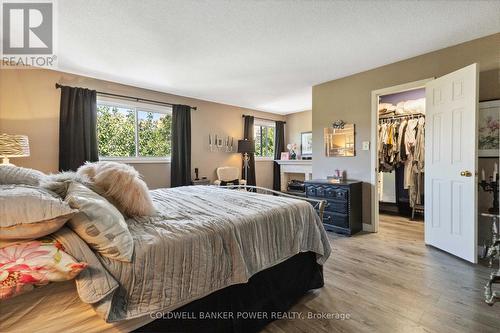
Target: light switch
<point x="366" y="145"/>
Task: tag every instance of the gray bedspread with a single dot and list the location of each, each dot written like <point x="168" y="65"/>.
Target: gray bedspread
<point x="204" y="239"/>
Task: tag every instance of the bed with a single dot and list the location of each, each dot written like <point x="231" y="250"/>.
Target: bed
<point x="208" y="249"/>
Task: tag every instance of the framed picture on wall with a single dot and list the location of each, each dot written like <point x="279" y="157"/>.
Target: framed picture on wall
<point x="489" y="129"/>
<point x="306" y="144"/>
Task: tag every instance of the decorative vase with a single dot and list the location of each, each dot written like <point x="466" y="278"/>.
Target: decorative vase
<point x="291" y="150"/>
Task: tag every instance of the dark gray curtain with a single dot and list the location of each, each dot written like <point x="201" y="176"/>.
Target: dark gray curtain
<point x="180" y="174"/>
<point x="77" y="128"/>
<point x="248" y="134"/>
<point x="279" y="147"/>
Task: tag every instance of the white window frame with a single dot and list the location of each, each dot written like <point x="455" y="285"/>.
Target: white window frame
<point x="265" y="123"/>
<point x="136" y="107"/>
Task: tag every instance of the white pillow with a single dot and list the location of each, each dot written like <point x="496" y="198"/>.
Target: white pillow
<point x="99" y="223"/>
<point x="28" y="212"/>
<point x="10" y="174"/>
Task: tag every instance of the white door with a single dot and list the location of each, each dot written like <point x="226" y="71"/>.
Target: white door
<point x="450" y="163"/>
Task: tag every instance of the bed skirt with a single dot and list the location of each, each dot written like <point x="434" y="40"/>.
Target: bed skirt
<point x="246" y="307"/>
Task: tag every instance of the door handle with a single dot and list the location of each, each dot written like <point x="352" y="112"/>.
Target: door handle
<point x="466" y="173"/>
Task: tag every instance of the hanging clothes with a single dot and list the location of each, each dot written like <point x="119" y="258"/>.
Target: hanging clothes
<point x="401" y="134"/>
<point x="417" y="185"/>
<point x="401" y="143"/>
<point x="388" y="147"/>
<point x="382" y="147"/>
<point x="401" y="153"/>
<point x="410" y="140"/>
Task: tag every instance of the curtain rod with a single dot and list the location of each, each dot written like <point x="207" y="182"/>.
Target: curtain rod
<point x="137" y="99"/>
<point x="244" y="115"/>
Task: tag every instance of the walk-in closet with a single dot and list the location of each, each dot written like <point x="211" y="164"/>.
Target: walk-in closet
<point x="401" y="154"/>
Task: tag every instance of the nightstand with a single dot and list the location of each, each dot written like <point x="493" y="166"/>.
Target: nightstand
<point x="202" y="181"/>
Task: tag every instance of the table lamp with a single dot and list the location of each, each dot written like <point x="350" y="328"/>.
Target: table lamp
<point x="246" y="147"/>
<point x="12" y="145"/>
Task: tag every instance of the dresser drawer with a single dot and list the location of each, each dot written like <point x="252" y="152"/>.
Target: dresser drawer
<point x="337" y="193"/>
<point x="315" y="191"/>
<point x="310" y="191"/>
<point x="338" y="220"/>
<point x="335" y="206"/>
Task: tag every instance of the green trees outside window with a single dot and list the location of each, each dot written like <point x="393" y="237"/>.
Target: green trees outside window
<point x="264" y="141"/>
<point x="131" y="132"/>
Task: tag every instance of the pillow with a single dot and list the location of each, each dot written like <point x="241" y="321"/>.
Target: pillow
<point x="59" y="182"/>
<point x="230" y="182"/>
<point x="28" y="212"/>
<point x="24" y="266"/>
<point x="99" y="223"/>
<point x="120" y="184"/>
<point x="10" y="174"/>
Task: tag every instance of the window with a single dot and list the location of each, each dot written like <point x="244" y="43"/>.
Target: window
<point x="133" y="132"/>
<point x="264" y="139"/>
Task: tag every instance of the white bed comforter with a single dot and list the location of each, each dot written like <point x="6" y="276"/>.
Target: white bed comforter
<point x="204" y="239"/>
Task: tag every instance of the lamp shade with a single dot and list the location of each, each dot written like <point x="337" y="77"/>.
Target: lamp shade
<point x="12" y="145"/>
<point x="246" y="146"/>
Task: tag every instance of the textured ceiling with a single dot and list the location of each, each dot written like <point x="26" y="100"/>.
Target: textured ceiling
<point x="264" y="55"/>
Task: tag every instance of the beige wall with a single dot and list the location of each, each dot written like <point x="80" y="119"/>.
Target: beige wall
<point x="29" y="104"/>
<point x="297" y="123"/>
<point x="349" y="99"/>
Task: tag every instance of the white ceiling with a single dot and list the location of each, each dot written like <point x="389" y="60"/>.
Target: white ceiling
<point x="263" y="55"/>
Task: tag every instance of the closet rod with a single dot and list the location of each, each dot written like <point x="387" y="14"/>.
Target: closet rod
<point x="137" y="99"/>
<point x="245" y="115"/>
<point x="416" y="115"/>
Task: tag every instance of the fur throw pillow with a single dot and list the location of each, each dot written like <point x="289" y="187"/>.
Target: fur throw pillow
<point x="121" y="184"/>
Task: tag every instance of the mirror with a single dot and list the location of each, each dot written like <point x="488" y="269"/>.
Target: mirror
<point x="339" y="141"/>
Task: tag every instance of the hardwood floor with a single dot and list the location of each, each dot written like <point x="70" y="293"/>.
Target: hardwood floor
<point x="392" y="282"/>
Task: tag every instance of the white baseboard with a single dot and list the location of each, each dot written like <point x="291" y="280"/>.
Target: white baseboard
<point x="368" y="227"/>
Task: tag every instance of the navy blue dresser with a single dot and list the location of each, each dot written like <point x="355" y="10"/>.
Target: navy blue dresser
<point x="344" y="206"/>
